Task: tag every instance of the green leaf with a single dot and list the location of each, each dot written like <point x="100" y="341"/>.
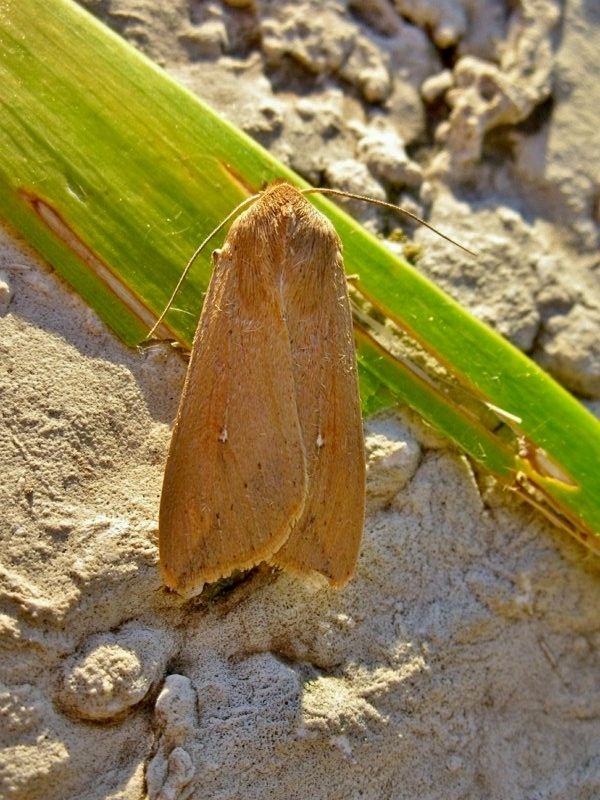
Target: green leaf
<point x="114" y="173"/>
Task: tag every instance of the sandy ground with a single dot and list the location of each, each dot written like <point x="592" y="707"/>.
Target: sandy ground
<point x="463" y="661"/>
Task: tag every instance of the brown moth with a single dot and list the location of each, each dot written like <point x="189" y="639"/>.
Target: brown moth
<point x="267" y="457"/>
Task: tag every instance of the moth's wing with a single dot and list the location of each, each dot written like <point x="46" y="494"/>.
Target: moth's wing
<point x="326" y="538"/>
<point x="235" y="479"/>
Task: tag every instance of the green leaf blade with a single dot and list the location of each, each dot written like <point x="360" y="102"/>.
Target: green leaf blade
<point x="114" y="173"/>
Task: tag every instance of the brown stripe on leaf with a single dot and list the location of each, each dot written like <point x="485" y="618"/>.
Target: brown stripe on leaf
<point x="53" y="220"/>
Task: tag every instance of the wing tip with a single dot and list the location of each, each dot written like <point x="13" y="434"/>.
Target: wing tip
<point x="317" y="575"/>
<point x="189" y="582"/>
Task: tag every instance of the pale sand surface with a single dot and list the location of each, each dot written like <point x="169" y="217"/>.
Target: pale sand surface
<point x="463" y="659"/>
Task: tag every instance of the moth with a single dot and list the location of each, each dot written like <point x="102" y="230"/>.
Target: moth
<point x="267" y="458"/>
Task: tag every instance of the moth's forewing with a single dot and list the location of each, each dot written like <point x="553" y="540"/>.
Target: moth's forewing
<point x="326" y="538"/>
<point x="267" y="459"/>
<point x="235" y="479"/>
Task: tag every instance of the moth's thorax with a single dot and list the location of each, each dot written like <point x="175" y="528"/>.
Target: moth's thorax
<point x="283" y="232"/>
<point x="283" y="216"/>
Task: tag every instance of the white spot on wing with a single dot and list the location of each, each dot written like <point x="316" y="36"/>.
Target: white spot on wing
<point x="223" y="435"/>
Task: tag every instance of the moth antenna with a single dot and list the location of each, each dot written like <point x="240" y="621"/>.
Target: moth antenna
<point x="392" y="207"/>
<point x="248" y="201"/>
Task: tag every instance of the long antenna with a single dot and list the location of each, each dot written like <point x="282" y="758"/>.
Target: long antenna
<point x="392" y="207"/>
<point x="195" y="255"/>
<point x="313" y="190"/>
